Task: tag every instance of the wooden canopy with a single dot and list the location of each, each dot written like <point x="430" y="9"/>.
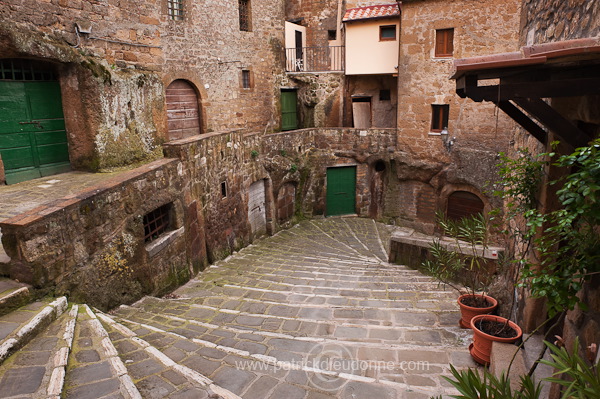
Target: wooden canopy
<point x="519" y="82"/>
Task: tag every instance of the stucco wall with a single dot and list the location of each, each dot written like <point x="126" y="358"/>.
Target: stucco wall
<point x="365" y="53"/>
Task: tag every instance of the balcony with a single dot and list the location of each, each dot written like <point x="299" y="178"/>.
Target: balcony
<point x="314" y="59"/>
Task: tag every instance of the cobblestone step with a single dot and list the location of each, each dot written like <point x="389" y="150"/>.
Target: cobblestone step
<point x="21" y="326"/>
<point x="31" y="371"/>
<point x="12" y="295"/>
<point x="249" y="372"/>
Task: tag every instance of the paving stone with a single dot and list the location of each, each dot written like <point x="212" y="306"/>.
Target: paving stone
<point x="202" y="365"/>
<point x="90" y="373"/>
<point x="190" y="393"/>
<point x="260" y="388"/>
<point x="94" y="390"/>
<point x="87" y="356"/>
<point x="174" y="377"/>
<point x="289" y="392"/>
<point x="144" y="368"/>
<point x="7" y="328"/>
<point x="234" y="380"/>
<point x="154" y="387"/>
<point x="32" y="358"/>
<point x="212" y="353"/>
<point x="21" y="381"/>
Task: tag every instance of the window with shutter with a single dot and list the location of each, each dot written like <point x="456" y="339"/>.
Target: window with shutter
<point x="444" y="42"/>
<point x="439" y="117"/>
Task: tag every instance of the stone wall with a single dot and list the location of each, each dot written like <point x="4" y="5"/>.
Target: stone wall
<point x="113" y="79"/>
<point x="545" y="21"/>
<point x="480" y="28"/>
<point x="319" y="98"/>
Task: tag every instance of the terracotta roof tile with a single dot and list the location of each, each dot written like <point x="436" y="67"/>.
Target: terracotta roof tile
<point x="371" y="12"/>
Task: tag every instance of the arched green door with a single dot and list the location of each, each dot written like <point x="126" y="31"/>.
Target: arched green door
<point x="33" y="140"/>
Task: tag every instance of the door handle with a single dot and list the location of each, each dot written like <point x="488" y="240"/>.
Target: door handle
<point x="37" y="123"/>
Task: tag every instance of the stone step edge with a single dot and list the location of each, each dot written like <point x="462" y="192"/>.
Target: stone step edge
<point x="269" y="360"/>
<point x="332" y="340"/>
<point x="328" y="306"/>
<point x="341" y="323"/>
<point x="191" y="375"/>
<point x="127" y="388"/>
<point x="61" y="357"/>
<point x="27" y="332"/>
<point x="14" y="299"/>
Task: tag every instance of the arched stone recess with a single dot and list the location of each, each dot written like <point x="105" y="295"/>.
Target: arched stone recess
<point x="201" y="92"/>
<point x="286" y="201"/>
<point x="460" y="200"/>
<point x="184" y="118"/>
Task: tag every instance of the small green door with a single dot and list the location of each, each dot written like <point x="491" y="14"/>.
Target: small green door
<point x="289" y="113"/>
<point x="33" y="140"/>
<point x="341" y="190"/>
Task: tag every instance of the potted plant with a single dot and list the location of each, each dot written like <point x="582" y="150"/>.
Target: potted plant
<point x="458" y="261"/>
<point x="487" y="329"/>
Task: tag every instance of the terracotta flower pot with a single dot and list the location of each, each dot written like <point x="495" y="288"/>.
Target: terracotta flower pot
<point x="468" y="312"/>
<point x="481" y="347"/>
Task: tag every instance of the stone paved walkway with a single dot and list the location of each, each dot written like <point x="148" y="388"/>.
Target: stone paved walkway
<point x="313" y="312"/>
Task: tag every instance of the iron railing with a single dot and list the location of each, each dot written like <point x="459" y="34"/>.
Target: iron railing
<point x="314" y="59"/>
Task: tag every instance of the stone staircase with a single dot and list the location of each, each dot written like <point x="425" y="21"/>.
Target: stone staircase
<point x="312" y="312"/>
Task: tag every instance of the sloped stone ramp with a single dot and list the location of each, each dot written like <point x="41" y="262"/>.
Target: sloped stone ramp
<point x="313" y="312"/>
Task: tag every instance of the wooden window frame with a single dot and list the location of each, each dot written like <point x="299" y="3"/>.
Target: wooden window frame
<point x="387" y="39"/>
<point x="440" y="114"/>
<point x="444" y="43"/>
<point x="245" y="15"/>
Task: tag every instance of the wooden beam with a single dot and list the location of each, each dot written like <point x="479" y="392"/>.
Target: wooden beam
<point x="554" y="121"/>
<point x="518" y="116"/>
<point x="539" y="89"/>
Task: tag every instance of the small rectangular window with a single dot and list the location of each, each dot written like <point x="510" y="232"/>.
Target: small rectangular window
<point x="439" y="117"/>
<point x="387" y="32"/>
<point x="223" y="189"/>
<point x="175" y="9"/>
<point x="245" y="14"/>
<point x="444" y="42"/>
<point x="157" y="222"/>
<point x="246" y="83"/>
<point x="385" y="95"/>
<point x="331" y="34"/>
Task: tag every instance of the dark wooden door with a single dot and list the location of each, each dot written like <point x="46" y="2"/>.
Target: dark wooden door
<point x="183" y="114"/>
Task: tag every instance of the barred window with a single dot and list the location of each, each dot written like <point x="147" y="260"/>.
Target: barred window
<point x="175" y="9"/>
<point x="157" y="222"/>
<point x="246" y="79"/>
<point x="245" y="13"/>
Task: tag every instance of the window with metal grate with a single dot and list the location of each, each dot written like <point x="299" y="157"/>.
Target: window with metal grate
<point x="157" y="222"/>
<point x="175" y="9"/>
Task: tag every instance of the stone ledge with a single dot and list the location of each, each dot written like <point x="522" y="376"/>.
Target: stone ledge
<point x="158" y="245"/>
<point x="410" y="237"/>
<point x="500" y="359"/>
<point x="38" y="213"/>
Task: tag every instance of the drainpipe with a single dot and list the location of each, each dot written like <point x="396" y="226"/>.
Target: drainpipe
<point x="341" y="41"/>
<point x="399" y="64"/>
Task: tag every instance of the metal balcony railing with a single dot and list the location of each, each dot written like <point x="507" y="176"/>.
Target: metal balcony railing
<point x="314" y="59"/>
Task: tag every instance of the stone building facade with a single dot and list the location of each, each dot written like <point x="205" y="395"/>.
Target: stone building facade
<point x="115" y="63"/>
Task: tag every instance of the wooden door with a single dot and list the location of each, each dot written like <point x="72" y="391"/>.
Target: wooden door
<point x="289" y="113"/>
<point x="257" y="214"/>
<point x="33" y="140"/>
<point x="361" y="113"/>
<point x="341" y="191"/>
<point x="183" y="113"/>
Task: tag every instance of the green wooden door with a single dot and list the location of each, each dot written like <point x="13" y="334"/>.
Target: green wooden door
<point x="33" y="140"/>
<point x="289" y="114"/>
<point x="341" y="191"/>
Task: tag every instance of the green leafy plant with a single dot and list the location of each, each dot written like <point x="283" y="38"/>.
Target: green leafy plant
<point x="582" y="379"/>
<point x="293" y="168"/>
<point x="461" y="265"/>
<point x="254" y="154"/>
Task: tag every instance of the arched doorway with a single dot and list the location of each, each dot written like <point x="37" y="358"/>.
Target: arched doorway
<point x="463" y="204"/>
<point x="33" y="139"/>
<point x="183" y="111"/>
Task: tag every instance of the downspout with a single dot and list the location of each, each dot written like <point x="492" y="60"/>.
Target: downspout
<point x="399" y="64"/>
<point x="341" y="41"/>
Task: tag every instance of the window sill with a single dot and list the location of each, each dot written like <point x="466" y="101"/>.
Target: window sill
<point x="434" y="134"/>
<point x="160" y="243"/>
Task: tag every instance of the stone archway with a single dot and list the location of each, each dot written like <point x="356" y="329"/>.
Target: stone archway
<point x="183" y="111"/>
<point x="462" y="204"/>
